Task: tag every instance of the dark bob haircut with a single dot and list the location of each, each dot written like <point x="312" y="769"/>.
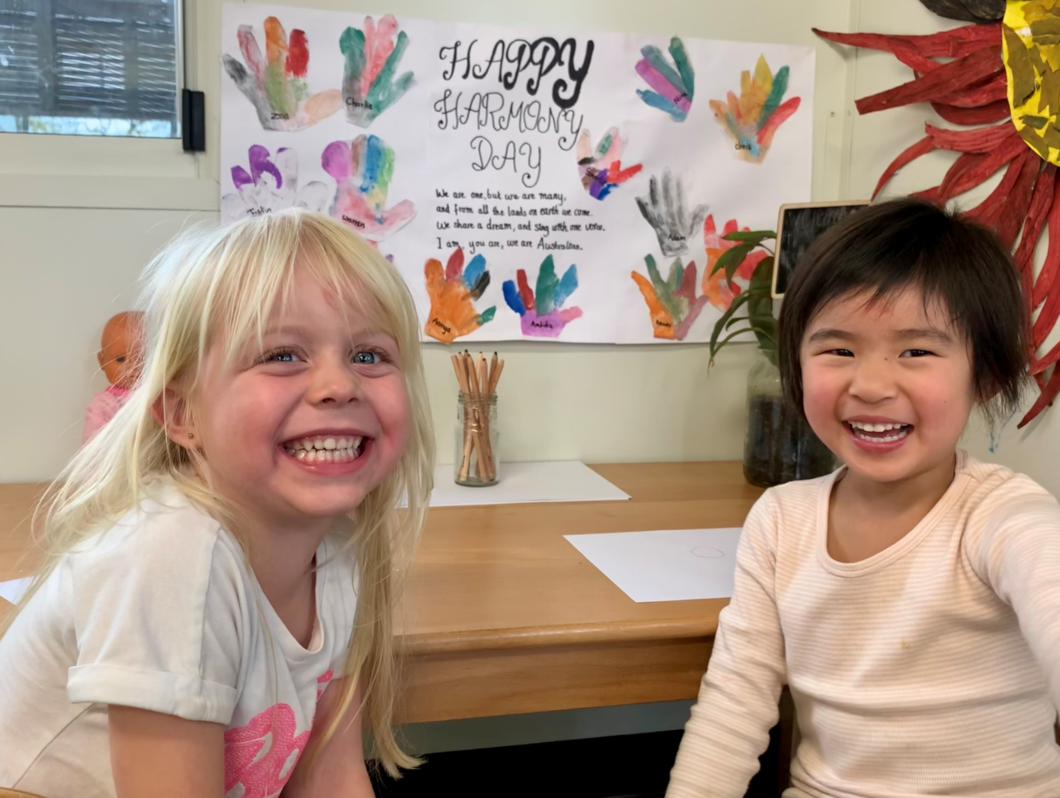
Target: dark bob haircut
<point x="887" y="248"/>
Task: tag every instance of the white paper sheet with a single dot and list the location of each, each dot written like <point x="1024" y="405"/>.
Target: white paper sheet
<point x="667" y="565"/>
<point x="14" y="589"/>
<point x="483" y="137"/>
<point x="563" y="481"/>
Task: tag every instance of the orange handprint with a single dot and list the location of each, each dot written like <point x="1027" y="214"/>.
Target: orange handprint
<point x="717" y="289"/>
<point x="452" y="293"/>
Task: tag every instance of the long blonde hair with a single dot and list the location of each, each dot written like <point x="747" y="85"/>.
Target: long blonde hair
<point x="221" y="285"/>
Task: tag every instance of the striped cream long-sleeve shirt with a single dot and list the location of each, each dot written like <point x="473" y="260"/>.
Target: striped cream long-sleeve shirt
<point x="931" y="668"/>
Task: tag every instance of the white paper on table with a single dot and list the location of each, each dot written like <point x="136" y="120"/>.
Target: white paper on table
<point x="562" y="481"/>
<point x="13" y="590"/>
<point x="667" y="565"/>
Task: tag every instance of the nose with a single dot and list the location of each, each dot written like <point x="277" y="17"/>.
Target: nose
<point x="333" y="383"/>
<point x="873" y="380"/>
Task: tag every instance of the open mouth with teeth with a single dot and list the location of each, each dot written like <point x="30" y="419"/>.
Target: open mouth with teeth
<point x="326" y="449"/>
<point x="878" y="433"/>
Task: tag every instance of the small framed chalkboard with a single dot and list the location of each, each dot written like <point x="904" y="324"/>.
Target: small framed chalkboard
<point x="798" y="226"/>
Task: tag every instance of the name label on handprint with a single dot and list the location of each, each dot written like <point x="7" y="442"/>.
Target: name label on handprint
<point x="537" y="59"/>
<point x="355" y="222"/>
<point x="443" y="327"/>
<point x="352" y="103"/>
<point x="278" y="115"/>
<point x="543" y="324"/>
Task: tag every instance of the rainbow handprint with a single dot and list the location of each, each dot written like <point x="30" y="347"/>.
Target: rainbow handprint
<point x="372" y="56"/>
<point x="717" y="289"/>
<point x="540" y="311"/>
<point x="277" y="87"/>
<point x="271" y="185"/>
<point x="673" y="303"/>
<point x="751" y="122"/>
<point x="452" y="293"/>
<point x="363" y="171"/>
<point x="601" y="169"/>
<point x="674" y="89"/>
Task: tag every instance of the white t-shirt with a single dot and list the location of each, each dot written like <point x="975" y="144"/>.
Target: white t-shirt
<point x="161" y="612"/>
<point x="930" y="668"/>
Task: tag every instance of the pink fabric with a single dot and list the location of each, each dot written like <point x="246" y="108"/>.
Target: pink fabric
<point x="261" y="755"/>
<point x="103" y="407"/>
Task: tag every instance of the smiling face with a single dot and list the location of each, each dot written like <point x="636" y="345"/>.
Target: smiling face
<point x="300" y="431"/>
<point x="887" y="385"/>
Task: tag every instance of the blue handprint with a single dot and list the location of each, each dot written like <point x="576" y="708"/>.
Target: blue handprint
<point x="540" y="311"/>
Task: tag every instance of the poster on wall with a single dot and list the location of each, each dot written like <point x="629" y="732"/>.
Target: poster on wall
<point x="529" y="184"/>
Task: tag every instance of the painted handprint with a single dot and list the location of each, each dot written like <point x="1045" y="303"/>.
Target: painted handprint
<point x="452" y="293"/>
<point x="719" y="290"/>
<point x="674" y="89"/>
<point x="541" y="311"/>
<point x="372" y="56"/>
<point x="363" y="170"/>
<point x="751" y="121"/>
<point x="672" y="302"/>
<point x="601" y="169"/>
<point x="271" y="185"/>
<point x="276" y="85"/>
<point x="668" y="215"/>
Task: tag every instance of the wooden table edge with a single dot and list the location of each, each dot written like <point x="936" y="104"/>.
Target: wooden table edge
<point x="548" y="636"/>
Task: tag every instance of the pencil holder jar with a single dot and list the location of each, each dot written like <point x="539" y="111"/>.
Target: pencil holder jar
<point x="475" y="459"/>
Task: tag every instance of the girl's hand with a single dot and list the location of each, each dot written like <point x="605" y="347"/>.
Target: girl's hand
<point x="338" y="768"/>
<point x="163" y="756"/>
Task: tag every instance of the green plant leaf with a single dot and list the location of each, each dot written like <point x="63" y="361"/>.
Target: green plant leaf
<point x="719" y="325"/>
<point x="732" y="335"/>
<point x="754" y="236"/>
<point x="734" y="256"/>
<point x="736" y="319"/>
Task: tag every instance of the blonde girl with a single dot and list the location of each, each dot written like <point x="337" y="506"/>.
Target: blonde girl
<point x="216" y="599"/>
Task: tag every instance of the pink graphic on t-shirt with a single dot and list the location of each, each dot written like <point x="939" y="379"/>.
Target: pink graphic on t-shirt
<point x="261" y="755"/>
<point x="323" y="681"/>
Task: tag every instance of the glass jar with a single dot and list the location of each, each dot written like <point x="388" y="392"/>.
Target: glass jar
<point x="475" y="461"/>
<point x="779" y="445"/>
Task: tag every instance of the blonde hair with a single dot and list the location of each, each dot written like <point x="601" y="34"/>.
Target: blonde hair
<point x="220" y="286"/>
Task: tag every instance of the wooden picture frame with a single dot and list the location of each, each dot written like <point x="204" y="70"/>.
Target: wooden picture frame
<point x="785" y="259"/>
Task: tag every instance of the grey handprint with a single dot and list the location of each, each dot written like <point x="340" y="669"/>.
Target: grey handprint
<point x="667" y="213"/>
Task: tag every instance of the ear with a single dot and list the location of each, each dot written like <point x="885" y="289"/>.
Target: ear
<point x="170" y="410"/>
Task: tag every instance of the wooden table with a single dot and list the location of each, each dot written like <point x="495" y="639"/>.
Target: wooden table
<point x="503" y="616"/>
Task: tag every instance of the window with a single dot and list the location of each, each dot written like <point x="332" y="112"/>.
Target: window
<point x="90" y="67"/>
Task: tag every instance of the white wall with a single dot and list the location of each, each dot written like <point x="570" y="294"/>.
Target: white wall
<point x="79" y="218"/>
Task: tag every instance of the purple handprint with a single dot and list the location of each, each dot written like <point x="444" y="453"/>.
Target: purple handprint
<point x="540" y="312"/>
<point x="271" y="185"/>
<point x="363" y="171"/>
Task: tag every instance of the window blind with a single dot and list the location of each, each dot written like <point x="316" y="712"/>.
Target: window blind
<point x="102" y="59"/>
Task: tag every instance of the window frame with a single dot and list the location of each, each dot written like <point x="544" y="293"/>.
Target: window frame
<point x="62" y="170"/>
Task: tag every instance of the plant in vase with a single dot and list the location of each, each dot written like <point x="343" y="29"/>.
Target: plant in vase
<point x="779" y="445"/>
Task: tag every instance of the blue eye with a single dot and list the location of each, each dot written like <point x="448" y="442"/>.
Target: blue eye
<point x="281" y="356"/>
<point x="367" y="358"/>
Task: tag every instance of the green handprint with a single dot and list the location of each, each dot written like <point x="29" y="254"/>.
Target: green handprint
<point x="372" y="56"/>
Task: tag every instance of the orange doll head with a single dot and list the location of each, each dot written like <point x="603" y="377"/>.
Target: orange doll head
<point x="120" y="354"/>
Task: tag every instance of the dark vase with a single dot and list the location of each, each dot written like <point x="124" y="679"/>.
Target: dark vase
<point x="779" y="445"/>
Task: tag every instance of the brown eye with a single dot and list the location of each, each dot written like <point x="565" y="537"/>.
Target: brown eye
<point x="119" y="359"/>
